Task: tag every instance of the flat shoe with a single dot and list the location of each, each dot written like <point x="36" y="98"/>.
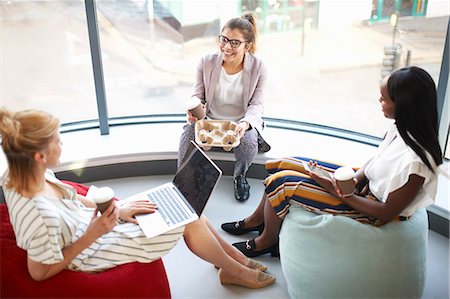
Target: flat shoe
<point x="261" y="280"/>
<point x="237" y="228"/>
<point x="253" y="265"/>
<point x="248" y="248"/>
<point x="256" y="265"/>
<point x="241" y="188"/>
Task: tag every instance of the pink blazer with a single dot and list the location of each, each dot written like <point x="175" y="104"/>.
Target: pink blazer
<point x="254" y="78"/>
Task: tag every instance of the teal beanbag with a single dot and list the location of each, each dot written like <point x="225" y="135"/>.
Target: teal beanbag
<point x="325" y="256"/>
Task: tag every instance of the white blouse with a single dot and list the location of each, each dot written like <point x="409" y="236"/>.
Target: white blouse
<point x="391" y="167"/>
<point x="228" y="100"/>
<point x="44" y="226"/>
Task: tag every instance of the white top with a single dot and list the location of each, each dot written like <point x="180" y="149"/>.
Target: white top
<point x="391" y="167"/>
<point x="44" y="226"/>
<point x="228" y="103"/>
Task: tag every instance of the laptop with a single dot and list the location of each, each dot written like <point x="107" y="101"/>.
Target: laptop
<point x="183" y="200"/>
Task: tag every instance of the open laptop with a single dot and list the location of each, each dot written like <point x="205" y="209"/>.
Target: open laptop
<point x="183" y="200"/>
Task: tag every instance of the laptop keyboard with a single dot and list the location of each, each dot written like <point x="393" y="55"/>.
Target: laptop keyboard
<point x="171" y="211"/>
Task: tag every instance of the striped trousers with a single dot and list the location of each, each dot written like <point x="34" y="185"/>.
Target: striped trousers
<point x="288" y="183"/>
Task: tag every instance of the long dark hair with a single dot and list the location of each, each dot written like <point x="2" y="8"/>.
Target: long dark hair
<point x="413" y="92"/>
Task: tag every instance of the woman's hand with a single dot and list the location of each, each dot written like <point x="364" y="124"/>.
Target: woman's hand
<point x="98" y="226"/>
<point x="241" y="128"/>
<point x="132" y="208"/>
<point x="328" y="184"/>
<point x="192" y="119"/>
<point x="104" y="223"/>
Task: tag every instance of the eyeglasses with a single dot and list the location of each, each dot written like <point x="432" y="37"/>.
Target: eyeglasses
<point x="234" y="43"/>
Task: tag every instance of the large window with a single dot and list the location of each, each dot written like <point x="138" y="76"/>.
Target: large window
<point x="45" y="58"/>
<point x="324" y="64"/>
<point x="324" y="58"/>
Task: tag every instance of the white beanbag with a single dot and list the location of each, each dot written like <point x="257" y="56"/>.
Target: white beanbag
<point x="325" y="256"/>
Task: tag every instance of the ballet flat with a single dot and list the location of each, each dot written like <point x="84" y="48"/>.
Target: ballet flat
<point x="261" y="280"/>
<point x="256" y="265"/>
<point x="253" y="265"/>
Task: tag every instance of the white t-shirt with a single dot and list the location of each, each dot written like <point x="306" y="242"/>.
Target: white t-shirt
<point x="391" y="167"/>
<point x="228" y="98"/>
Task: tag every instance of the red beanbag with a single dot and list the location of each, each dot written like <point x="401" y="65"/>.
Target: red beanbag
<point x="133" y="280"/>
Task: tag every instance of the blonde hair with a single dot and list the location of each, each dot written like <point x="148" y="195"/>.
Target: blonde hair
<point x="247" y="25"/>
<point x="23" y="134"/>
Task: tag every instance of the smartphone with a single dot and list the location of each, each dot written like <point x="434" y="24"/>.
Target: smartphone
<point x="317" y="170"/>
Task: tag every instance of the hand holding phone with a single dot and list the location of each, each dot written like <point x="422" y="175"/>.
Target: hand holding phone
<point x="310" y="167"/>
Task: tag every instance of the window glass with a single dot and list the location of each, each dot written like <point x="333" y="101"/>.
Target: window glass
<point x="151" y="49"/>
<point x="324" y="61"/>
<point x="45" y="59"/>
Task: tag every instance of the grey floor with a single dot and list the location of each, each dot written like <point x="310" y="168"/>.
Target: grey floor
<point x="191" y="277"/>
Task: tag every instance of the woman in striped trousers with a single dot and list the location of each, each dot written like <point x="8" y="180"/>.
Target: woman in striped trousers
<point x="399" y="179"/>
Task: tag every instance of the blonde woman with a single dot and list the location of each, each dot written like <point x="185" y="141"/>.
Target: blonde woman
<point x="62" y="230"/>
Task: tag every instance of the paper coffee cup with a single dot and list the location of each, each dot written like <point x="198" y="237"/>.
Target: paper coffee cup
<point x="195" y="107"/>
<point x="344" y="179"/>
<point x="103" y="197"/>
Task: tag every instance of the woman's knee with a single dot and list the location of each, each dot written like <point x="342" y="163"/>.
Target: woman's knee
<point x="195" y="226"/>
<point x="284" y="176"/>
<point x="188" y="131"/>
<point x="250" y="139"/>
<point x="186" y="137"/>
<point x="247" y="149"/>
<point x="287" y="163"/>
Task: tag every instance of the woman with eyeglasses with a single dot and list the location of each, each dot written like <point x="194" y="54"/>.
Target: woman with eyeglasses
<point x="230" y="84"/>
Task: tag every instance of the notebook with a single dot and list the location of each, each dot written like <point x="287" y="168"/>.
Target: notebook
<point x="183" y="200"/>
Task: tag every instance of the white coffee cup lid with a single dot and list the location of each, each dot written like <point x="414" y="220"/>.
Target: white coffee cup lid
<point x="192" y="103"/>
<point x="102" y="194"/>
<point x="344" y="173"/>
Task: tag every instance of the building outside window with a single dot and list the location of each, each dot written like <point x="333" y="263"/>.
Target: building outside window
<point x="383" y="9"/>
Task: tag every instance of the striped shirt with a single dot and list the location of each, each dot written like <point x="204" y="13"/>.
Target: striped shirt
<point x="44" y="226"/>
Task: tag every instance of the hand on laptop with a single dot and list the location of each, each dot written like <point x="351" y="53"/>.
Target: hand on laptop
<point x="128" y="210"/>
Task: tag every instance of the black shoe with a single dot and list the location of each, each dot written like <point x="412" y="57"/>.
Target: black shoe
<point x="241" y="188"/>
<point x="248" y="249"/>
<point x="237" y="228"/>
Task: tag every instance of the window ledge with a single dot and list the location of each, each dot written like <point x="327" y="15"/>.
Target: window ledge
<point x="138" y="143"/>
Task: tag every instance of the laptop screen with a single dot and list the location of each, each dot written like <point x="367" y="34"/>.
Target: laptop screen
<point x="197" y="177"/>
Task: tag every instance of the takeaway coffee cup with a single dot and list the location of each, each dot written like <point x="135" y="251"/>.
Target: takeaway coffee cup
<point x="196" y="108"/>
<point x="344" y="179"/>
<point x="103" y="197"/>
